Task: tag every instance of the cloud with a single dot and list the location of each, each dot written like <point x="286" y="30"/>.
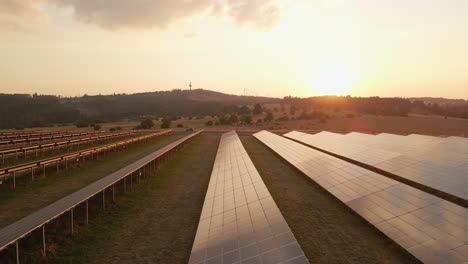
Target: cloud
<point x="21" y="15"/>
<point x="18" y="7"/>
<point x="263" y="13"/>
<point x="118" y="14"/>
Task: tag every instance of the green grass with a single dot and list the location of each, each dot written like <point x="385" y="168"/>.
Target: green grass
<point x="327" y="230"/>
<point x="18" y="203"/>
<point x="157" y="222"/>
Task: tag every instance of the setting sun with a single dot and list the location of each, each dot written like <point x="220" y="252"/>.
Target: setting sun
<point x="333" y="78"/>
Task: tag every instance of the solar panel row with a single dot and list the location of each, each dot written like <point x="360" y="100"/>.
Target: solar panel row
<point x="439" y="163"/>
<point x="432" y="229"/>
<point x="240" y="222"/>
<point x="17" y="230"/>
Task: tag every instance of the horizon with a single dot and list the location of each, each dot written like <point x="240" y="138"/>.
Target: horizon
<point x="231" y="94"/>
<point x="265" y="47"/>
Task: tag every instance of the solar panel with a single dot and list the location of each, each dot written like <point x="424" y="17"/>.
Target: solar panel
<point x="17" y="230"/>
<point x="432" y="229"/>
<point x="240" y="222"/>
<point x="439" y="163"/>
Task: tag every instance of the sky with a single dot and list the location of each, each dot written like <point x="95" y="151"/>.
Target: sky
<point x="276" y="48"/>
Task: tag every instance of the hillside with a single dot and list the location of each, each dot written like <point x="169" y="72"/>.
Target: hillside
<point x="23" y="110"/>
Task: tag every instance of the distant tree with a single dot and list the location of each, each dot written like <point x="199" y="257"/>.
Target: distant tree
<point x="180" y="125"/>
<point x="244" y="110"/>
<point x="233" y="119"/>
<point x="257" y="109"/>
<point x="209" y="123"/>
<point x="82" y="123"/>
<point x="292" y="110"/>
<point x="166" y="123"/>
<point x="223" y="120"/>
<point x="269" y="117"/>
<point x="97" y="127"/>
<point x="283" y="118"/>
<point x="247" y="119"/>
<point x="115" y="128"/>
<point x="146" y="124"/>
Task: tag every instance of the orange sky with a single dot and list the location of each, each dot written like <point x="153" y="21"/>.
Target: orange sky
<point x="267" y="47"/>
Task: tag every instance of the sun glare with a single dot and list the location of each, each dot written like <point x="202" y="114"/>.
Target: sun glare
<point x="333" y="78"/>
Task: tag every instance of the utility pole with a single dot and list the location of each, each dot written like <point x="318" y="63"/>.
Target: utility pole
<point x="190" y="85"/>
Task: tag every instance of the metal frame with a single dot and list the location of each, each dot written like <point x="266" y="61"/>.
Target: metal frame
<point x="15" y="151"/>
<point x="11" y="171"/>
<point x="14" y="232"/>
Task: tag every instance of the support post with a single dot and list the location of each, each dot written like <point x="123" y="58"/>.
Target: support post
<point x="43" y="170"/>
<point x="87" y="212"/>
<point x="32" y="174"/>
<point x="72" y="221"/>
<point x="125" y="184"/>
<point x="14" y="179"/>
<point x="113" y="192"/>
<point x="17" y="252"/>
<point x="44" y="252"/>
<point x="104" y="199"/>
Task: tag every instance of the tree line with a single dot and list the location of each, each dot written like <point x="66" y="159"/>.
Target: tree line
<point x="24" y="111"/>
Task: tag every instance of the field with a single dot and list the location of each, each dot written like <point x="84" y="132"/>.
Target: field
<point x="155" y="221"/>
<point x="340" y="122"/>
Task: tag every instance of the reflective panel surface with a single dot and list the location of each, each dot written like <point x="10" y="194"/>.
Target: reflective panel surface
<point x="430" y="228"/>
<point x="439" y="163"/>
<point x="240" y="222"/>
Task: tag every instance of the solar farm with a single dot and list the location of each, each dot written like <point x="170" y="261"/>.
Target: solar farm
<point x="224" y="197"/>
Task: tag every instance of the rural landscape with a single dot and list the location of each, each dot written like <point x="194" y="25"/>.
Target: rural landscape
<point x="233" y="132"/>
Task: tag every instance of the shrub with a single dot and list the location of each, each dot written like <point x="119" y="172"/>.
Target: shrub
<point x="166" y="123"/>
<point x="247" y="119"/>
<point x="180" y="125"/>
<point x="97" y="127"/>
<point x="209" y="123"/>
<point x="269" y="117"/>
<point x="257" y="109"/>
<point x="146" y="124"/>
<point x="81" y="124"/>
<point x="244" y="110"/>
<point x="223" y="120"/>
<point x="292" y="110"/>
<point x="233" y="119"/>
<point x="283" y="118"/>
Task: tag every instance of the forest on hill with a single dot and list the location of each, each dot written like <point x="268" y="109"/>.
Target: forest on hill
<point x="24" y="111"/>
